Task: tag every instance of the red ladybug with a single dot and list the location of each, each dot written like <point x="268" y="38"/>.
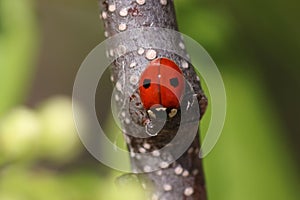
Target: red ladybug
<point x="161" y="84"/>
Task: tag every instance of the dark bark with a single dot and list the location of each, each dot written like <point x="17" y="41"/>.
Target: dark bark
<point x="183" y="178"/>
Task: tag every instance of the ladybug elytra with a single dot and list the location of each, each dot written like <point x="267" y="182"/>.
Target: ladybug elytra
<point x="161" y="84"/>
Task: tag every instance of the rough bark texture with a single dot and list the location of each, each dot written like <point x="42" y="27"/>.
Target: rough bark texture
<point x="183" y="178"/>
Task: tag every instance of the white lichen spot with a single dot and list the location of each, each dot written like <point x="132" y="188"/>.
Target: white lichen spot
<point x="123" y="114"/>
<point x="127" y="121"/>
<point x="127" y="139"/>
<point x="123" y="12"/>
<point x="111" y="52"/>
<point x="197" y="78"/>
<point x="159" y="172"/>
<point x="107" y="54"/>
<point x="112" y="78"/>
<point x="164" y="2"/>
<point x="195" y="172"/>
<point x="181" y="45"/>
<point x="147" y="168"/>
<point x="167" y="187"/>
<point x="104" y="15"/>
<point x="141" y="51"/>
<point x="151" y="54"/>
<point x="141" y="2"/>
<point x="163" y="165"/>
<point x="111" y="7"/>
<point x="142" y="150"/>
<point x="121" y="49"/>
<point x="122" y="27"/>
<point x="106" y="34"/>
<point x="190" y="150"/>
<point x="134" y="79"/>
<point x="117" y="98"/>
<point x="156" y="153"/>
<point x="119" y="86"/>
<point x="132" y="154"/>
<point x="146" y="145"/>
<point x="178" y="170"/>
<point x="172" y="113"/>
<point x="138" y="156"/>
<point x="184" y="64"/>
<point x="185" y="173"/>
<point x="132" y="65"/>
<point x="188" y="191"/>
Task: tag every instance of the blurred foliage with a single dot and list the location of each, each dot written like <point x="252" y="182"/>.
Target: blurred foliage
<point x="40" y="133"/>
<point x="29" y="139"/>
<point x="39" y="147"/>
<point x="38" y="184"/>
<point x="18" y="42"/>
<point x="252" y="159"/>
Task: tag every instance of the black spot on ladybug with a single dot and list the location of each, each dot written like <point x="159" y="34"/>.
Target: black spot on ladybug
<point x="147" y="83"/>
<point x="174" y="82"/>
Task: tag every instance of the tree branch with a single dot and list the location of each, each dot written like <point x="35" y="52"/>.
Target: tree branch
<point x="183" y="178"/>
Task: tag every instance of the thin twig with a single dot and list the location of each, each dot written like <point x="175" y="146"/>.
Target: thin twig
<point x="184" y="178"/>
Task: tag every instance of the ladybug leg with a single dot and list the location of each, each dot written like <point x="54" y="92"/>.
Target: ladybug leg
<point x="172" y="113"/>
<point x="151" y="114"/>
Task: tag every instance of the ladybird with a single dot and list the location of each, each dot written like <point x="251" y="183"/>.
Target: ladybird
<point x="161" y="85"/>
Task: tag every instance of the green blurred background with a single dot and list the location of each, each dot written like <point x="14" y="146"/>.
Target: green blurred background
<point x="256" y="46"/>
